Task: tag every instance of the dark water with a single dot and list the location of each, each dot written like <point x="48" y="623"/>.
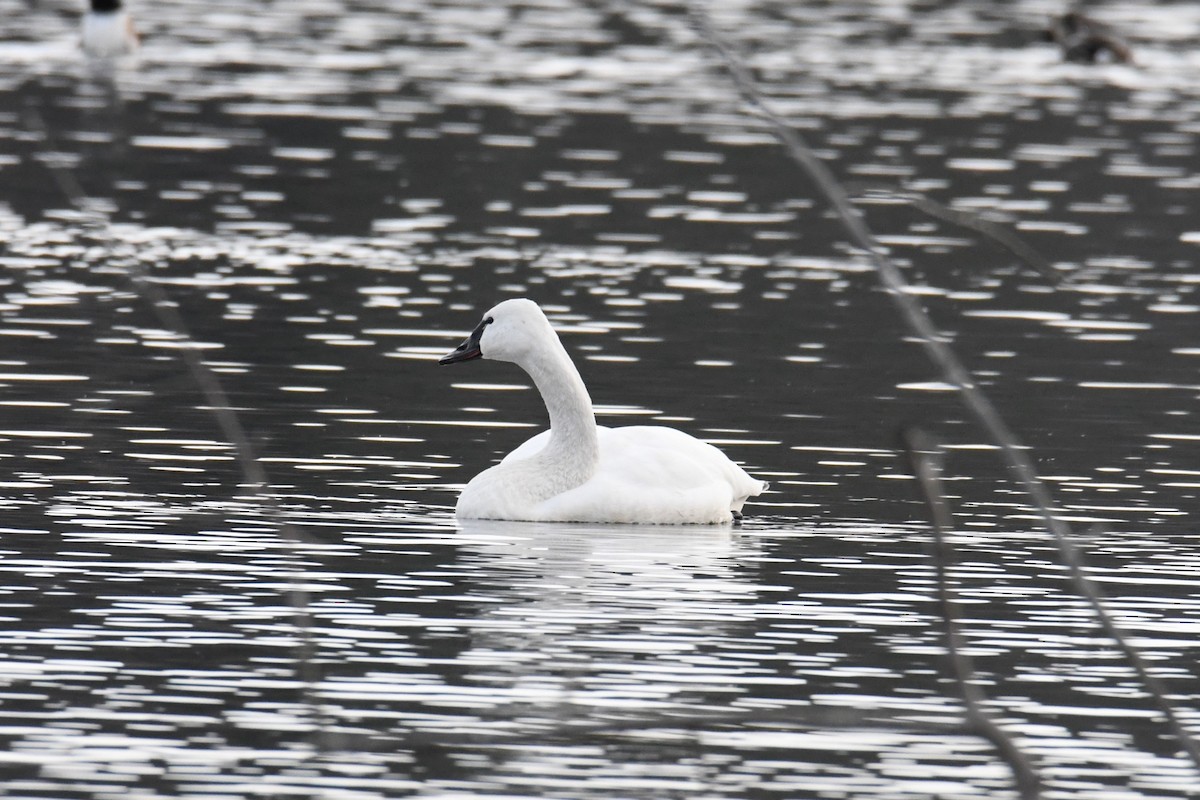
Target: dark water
<point x="333" y="191"/>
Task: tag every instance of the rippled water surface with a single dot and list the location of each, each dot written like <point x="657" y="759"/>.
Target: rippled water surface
<point x="332" y="191"/>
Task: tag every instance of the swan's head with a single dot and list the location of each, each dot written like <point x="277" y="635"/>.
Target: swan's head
<point x="510" y="331"/>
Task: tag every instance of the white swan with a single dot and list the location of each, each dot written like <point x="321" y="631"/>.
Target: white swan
<point x="581" y="472"/>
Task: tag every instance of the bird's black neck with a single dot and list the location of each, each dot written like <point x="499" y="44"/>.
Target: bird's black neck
<point x="106" y="6"/>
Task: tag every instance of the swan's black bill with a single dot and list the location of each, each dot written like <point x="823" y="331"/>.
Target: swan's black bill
<point x="469" y="349"/>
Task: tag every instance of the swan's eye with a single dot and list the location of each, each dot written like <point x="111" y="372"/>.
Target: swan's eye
<point x="489" y="321"/>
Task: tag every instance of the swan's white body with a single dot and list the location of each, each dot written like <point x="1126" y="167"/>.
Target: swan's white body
<point x="578" y="471"/>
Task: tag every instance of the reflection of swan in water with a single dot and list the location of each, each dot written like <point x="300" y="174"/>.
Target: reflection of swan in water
<point x="578" y="471"/>
<point x="602" y="619"/>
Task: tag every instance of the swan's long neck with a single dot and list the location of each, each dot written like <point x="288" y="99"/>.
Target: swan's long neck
<point x="574" y="445"/>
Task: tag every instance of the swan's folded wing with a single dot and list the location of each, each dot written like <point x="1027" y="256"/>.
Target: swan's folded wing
<point x="651" y="474"/>
<point x="657" y="455"/>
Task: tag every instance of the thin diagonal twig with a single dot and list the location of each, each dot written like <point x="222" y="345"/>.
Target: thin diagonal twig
<point x="964" y="219"/>
<point x="925" y="458"/>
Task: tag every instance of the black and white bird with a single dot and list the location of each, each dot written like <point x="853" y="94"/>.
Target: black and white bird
<point x="108" y="30"/>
